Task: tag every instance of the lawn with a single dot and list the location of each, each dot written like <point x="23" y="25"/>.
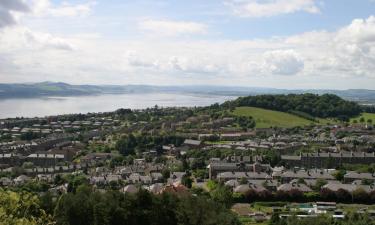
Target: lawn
<point x="366" y="116"/>
<point x="265" y="118"/>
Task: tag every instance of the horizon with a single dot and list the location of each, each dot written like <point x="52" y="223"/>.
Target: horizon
<point x="295" y="44"/>
<point x="190" y="85"/>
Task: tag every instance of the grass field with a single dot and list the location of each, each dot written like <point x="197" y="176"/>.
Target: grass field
<point x="366" y="116"/>
<point x="265" y="118"/>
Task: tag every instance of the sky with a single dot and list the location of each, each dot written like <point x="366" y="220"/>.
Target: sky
<point x="294" y="44"/>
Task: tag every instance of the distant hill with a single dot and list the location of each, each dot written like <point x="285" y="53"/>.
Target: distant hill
<point x="46" y="89"/>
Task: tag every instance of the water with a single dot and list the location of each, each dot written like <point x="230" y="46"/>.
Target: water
<point x="33" y="107"/>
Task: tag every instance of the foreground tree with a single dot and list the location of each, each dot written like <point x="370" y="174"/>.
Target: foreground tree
<point x="21" y="209"/>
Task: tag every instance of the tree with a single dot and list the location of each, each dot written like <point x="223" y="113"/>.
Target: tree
<point x="319" y="184"/>
<point x="126" y="145"/>
<point x="21" y="209"/>
<point x="295" y="194"/>
<point x="187" y="181"/>
<point x="243" y="180"/>
<point x="223" y="195"/>
<point x="166" y="174"/>
<point x="339" y="175"/>
<point x="327" y="194"/>
<point x="360" y="196"/>
<point x="251" y="195"/>
<point x="343" y="195"/>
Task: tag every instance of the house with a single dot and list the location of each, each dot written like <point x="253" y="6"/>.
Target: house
<point x="156" y="177"/>
<point x="156" y="188"/>
<point x="214" y="168"/>
<point x="352" y="176"/>
<point x="328" y="160"/>
<point x="325" y="206"/>
<point x="5" y="181"/>
<point x="294" y="186"/>
<point x="130" y="189"/>
<point x="179" y="190"/>
<point x="113" y="178"/>
<point x="192" y="143"/>
<point x="98" y="180"/>
<point x="22" y="179"/>
<point x="315" y="174"/>
<point x="45" y="159"/>
<point x="232" y="183"/>
<point x="245" y="188"/>
<point x="349" y="187"/>
<point x="225" y="176"/>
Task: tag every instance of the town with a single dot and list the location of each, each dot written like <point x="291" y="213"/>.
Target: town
<point x="302" y="171"/>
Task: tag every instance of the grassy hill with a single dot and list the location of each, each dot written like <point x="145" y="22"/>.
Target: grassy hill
<point x="265" y="118"/>
<point x="366" y="116"/>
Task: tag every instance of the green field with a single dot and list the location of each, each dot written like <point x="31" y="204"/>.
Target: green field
<point x="366" y="116"/>
<point x="265" y="118"/>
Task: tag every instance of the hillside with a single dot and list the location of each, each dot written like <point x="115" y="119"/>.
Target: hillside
<point x="366" y="117"/>
<point x="265" y="118"/>
<point x="322" y="106"/>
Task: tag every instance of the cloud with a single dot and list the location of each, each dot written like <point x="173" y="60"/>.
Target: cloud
<point x="132" y="58"/>
<point x="318" y="59"/>
<point x="172" y="28"/>
<point x="7" y="10"/>
<point x="282" y="62"/>
<point x="10" y="10"/>
<point x="46" y="40"/>
<point x="46" y="8"/>
<point x="21" y="38"/>
<point x="257" y="8"/>
<point x="198" y="65"/>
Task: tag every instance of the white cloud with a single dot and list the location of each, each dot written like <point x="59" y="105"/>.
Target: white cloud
<point x="317" y="58"/>
<point x="282" y="62"/>
<point x="132" y="58"/>
<point x="8" y="8"/>
<point x="65" y="9"/>
<point x="198" y="65"/>
<point x="257" y="8"/>
<point x="172" y="28"/>
<point x="22" y="38"/>
<point x="46" y="40"/>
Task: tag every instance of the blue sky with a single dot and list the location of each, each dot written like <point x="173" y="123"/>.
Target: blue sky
<point x="269" y="43"/>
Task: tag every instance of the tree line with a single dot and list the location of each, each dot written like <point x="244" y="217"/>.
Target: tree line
<point x="323" y="106"/>
<point x="85" y="206"/>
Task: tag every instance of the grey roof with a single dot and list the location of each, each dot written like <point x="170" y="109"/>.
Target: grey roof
<point x="359" y="176"/>
<point x="309" y="174"/>
<point x="294" y="186"/>
<point x="227" y="166"/>
<point x="290" y="157"/>
<point x="247" y="175"/>
<point x="349" y="187"/>
<point x="156" y="188"/>
<point x="342" y="154"/>
<point x="232" y="183"/>
<point x="267" y="183"/>
<point x="244" y="188"/>
<point x="312" y="182"/>
<point x="192" y="142"/>
<point x="132" y="189"/>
